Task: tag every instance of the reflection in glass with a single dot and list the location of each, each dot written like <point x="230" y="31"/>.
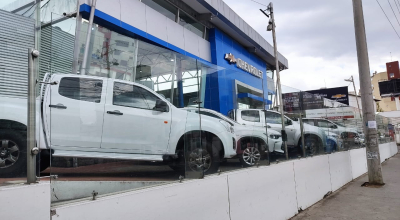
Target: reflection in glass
<point x="189" y="23"/>
<point x="163" y="7"/>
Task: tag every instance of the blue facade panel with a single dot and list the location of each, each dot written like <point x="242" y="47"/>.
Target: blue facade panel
<point x="224" y="98"/>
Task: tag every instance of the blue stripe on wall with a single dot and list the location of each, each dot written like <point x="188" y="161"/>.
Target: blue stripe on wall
<point x="121" y="27"/>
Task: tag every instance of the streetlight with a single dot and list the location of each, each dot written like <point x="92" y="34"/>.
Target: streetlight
<point x="351" y="79"/>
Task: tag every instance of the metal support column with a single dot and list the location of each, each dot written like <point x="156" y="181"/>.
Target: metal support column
<point x="32" y="149"/>
<point x="171" y="96"/>
<point x="88" y="36"/>
<point x="135" y="56"/>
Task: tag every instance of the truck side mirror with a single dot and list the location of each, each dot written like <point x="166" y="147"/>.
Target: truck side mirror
<point x="161" y="106"/>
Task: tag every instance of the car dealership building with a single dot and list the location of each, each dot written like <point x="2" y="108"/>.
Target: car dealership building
<point x="188" y="50"/>
<point x="154" y="35"/>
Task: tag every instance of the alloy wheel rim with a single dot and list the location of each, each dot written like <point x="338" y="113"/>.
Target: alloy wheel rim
<point x="251" y="156"/>
<point x="199" y="160"/>
<point x="9" y="153"/>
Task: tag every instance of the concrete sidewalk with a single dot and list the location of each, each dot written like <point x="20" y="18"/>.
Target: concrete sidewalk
<point x="356" y="202"/>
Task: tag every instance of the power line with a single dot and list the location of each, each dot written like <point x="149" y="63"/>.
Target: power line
<point x="394" y="13"/>
<point x="388" y="19"/>
<point x="397" y="6"/>
<point x="259" y="3"/>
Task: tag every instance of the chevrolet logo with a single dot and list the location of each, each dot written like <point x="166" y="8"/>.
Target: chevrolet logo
<point x="338" y="96"/>
<point x="229" y="57"/>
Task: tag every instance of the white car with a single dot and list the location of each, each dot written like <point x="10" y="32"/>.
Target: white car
<point x="252" y="141"/>
<point x="346" y="136"/>
<point x="315" y="138"/>
<point x="329" y="126"/>
<point x="94" y="117"/>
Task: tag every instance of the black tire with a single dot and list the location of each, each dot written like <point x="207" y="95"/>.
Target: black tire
<point x="204" y="160"/>
<point x="312" y="144"/>
<point x="202" y="156"/>
<point x="13" y="147"/>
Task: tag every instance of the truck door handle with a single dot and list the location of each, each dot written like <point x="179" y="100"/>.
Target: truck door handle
<point x="59" y="106"/>
<point x="116" y="112"/>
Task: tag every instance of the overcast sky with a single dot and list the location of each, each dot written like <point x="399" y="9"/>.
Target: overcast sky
<point x="317" y="37"/>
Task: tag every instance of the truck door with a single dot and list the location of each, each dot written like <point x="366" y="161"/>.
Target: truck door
<point x="130" y="123"/>
<point x="274" y="120"/>
<point x="76" y="110"/>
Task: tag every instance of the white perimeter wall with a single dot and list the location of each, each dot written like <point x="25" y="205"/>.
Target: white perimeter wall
<point x="25" y="201"/>
<point x="271" y="192"/>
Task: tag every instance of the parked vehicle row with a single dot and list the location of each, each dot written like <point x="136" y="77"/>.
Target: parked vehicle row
<point x="314" y="138"/>
<point x="94" y="117"/>
<point x="320" y="135"/>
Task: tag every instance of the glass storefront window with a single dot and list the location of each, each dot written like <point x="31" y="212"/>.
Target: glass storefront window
<point x="163" y="7"/>
<point x="113" y="55"/>
<point x="187" y="22"/>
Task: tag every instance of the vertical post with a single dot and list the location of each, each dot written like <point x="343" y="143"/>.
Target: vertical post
<point x="89" y="31"/>
<point x="355" y="92"/>
<point x="369" y="120"/>
<point x="31" y="113"/>
<point x="171" y="96"/>
<point x="278" y="80"/>
<point x="135" y="56"/>
<point x="180" y="85"/>
<point x="265" y="112"/>
<point x="76" y="43"/>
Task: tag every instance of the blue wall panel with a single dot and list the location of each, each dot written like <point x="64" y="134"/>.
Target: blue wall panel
<point x="222" y="44"/>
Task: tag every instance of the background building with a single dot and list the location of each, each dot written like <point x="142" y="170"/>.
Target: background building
<point x="387" y="103"/>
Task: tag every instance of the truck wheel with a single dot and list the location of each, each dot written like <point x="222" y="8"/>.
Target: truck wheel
<point x="12" y="154"/>
<point x="201" y="160"/>
<point x="312" y="145"/>
<point x="250" y="156"/>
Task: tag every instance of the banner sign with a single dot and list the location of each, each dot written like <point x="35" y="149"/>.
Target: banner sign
<point x="314" y="99"/>
<point x="338" y="94"/>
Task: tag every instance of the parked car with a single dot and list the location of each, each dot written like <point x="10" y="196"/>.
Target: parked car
<point x="252" y="141"/>
<point x="94" y="117"/>
<point x="347" y="136"/>
<point x="314" y="138"/>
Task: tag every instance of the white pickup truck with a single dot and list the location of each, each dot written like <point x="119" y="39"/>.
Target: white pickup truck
<point x="314" y="138"/>
<point x="95" y="117"/>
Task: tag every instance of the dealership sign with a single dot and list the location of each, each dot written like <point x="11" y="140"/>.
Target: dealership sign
<point x="243" y="65"/>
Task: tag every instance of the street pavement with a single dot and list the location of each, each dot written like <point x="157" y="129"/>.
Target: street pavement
<point x="356" y="202"/>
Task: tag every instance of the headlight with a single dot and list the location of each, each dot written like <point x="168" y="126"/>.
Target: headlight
<point x="274" y="136"/>
<point x="228" y="127"/>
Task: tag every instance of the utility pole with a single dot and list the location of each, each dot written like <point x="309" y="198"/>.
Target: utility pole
<point x="355" y="92"/>
<point x="271" y="27"/>
<point x="369" y="120"/>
